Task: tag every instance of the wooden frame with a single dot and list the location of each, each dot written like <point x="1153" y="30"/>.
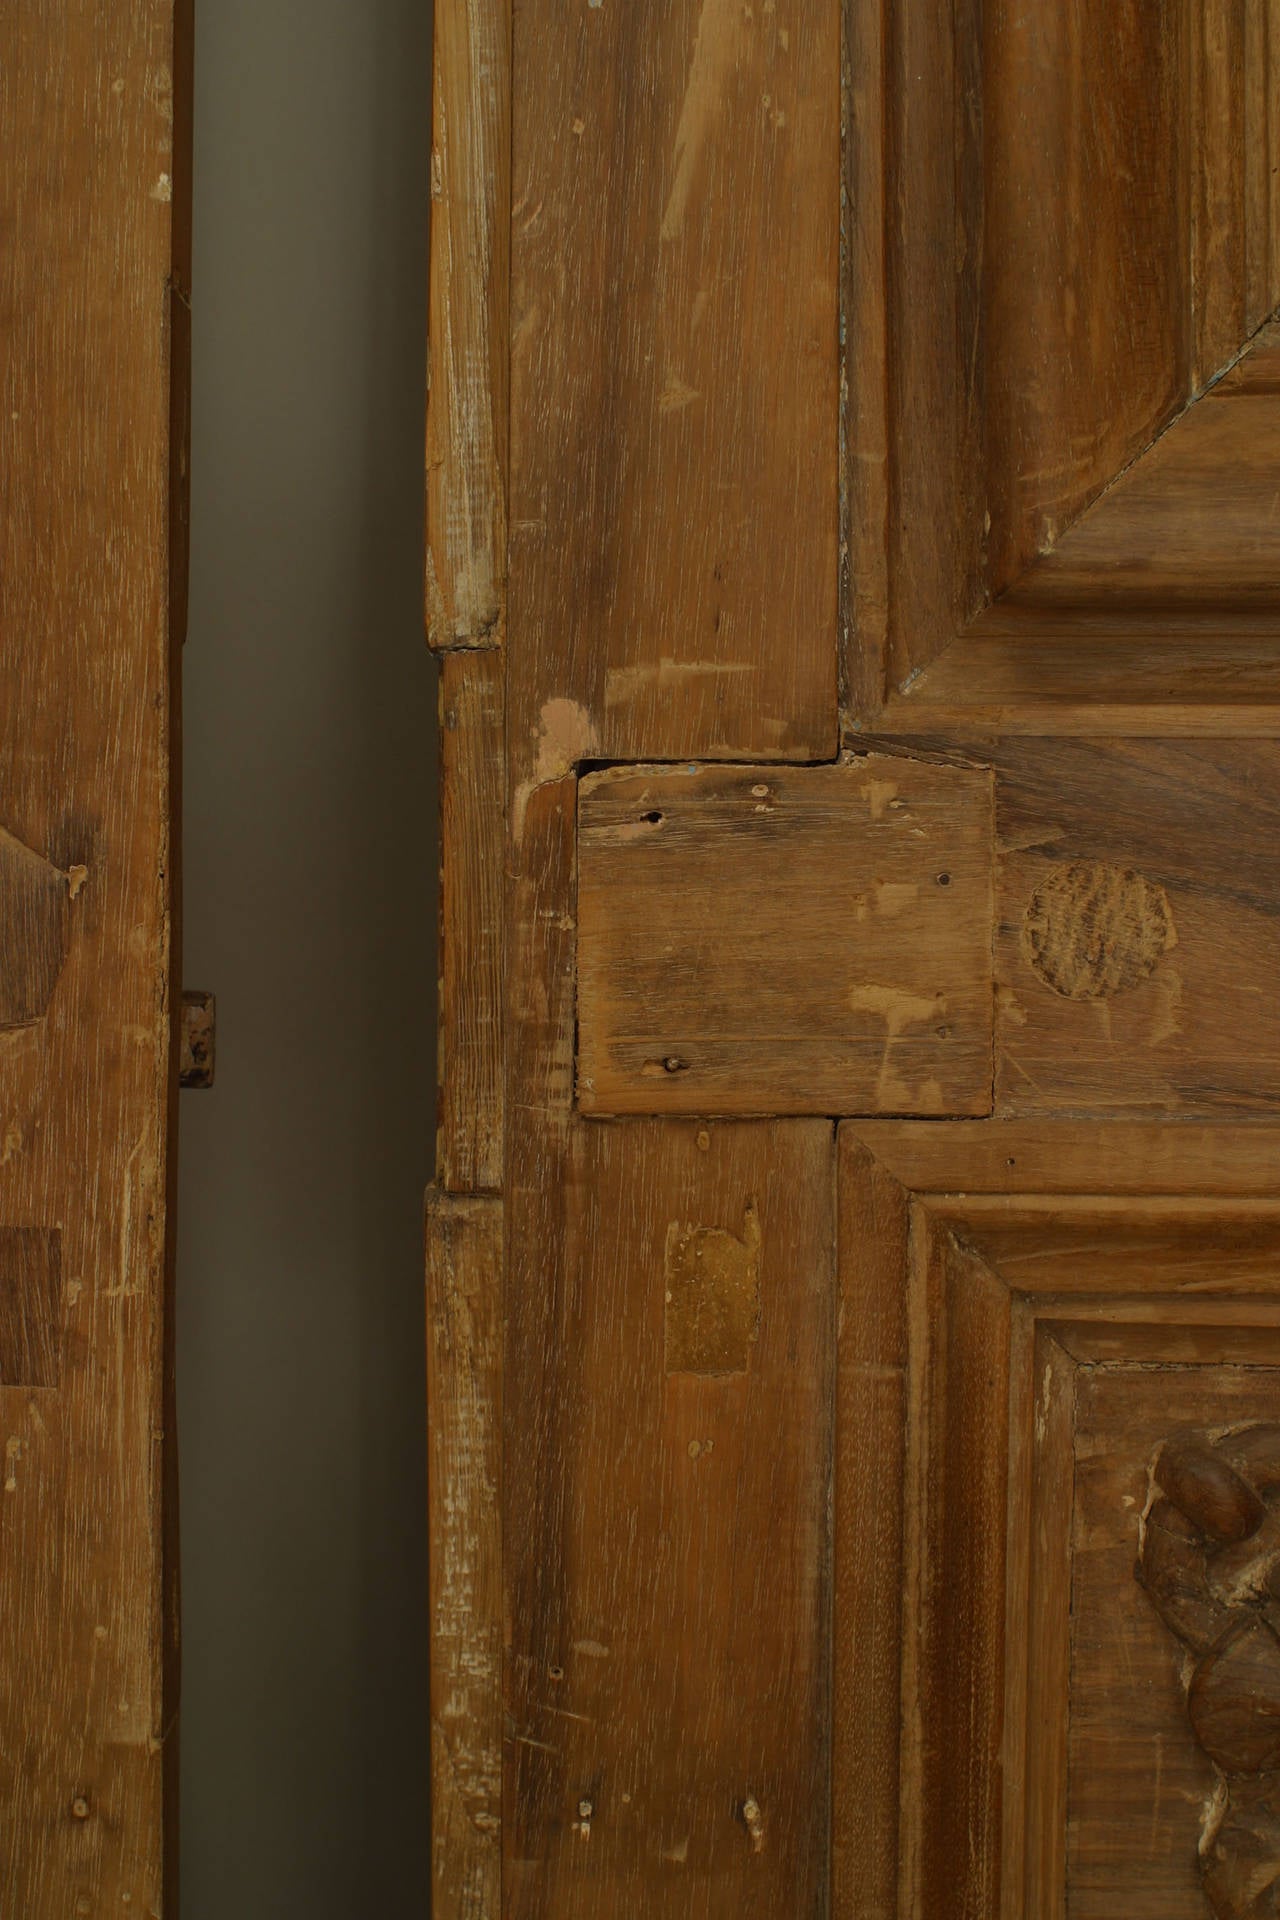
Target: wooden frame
<point x="1050" y="410"/>
<point x="981" y="1267"/>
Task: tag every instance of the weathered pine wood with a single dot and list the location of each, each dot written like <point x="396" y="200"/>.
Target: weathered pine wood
<point x="1185" y="536"/>
<point x="467" y="404"/>
<point x="1055" y="1738"/>
<point x="1061" y="232"/>
<point x="871" y="1412"/>
<point x="472" y="811"/>
<point x="666" y="1495"/>
<point x="1139" y="927"/>
<point x="673" y="495"/>
<point x="93" y="124"/>
<point x="1234" y="62"/>
<point x="785" y="940"/>
<point x="464" y="1404"/>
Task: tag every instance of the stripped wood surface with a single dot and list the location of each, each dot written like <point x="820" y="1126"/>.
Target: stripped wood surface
<point x="673" y="498"/>
<point x="665" y="1514"/>
<point x="468" y="324"/>
<point x="469" y="1140"/>
<point x="464" y="1395"/>
<point x="870" y="1458"/>
<point x="785" y="940"/>
<point x="94" y="124"/>
<point x="1061" y="231"/>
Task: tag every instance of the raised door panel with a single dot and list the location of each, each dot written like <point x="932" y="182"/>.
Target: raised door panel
<point x="1063" y="234"/>
<point x="1075" y="1687"/>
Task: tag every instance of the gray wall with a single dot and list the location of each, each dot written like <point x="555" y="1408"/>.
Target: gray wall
<point x="309" y="878"/>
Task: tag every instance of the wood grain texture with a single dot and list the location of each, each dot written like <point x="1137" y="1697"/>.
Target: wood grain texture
<point x="1136" y="868"/>
<point x="666" y="1538"/>
<point x="1046" y="1763"/>
<point x="34" y="898"/>
<point x="93" y="126"/>
<point x="778" y="940"/>
<point x="1184" y="538"/>
<point x="871" y="1413"/>
<point x="1061" y="233"/>
<point x="472" y="813"/>
<point x="30" y="1307"/>
<point x="673" y="504"/>
<point x="467" y="405"/>
<point x="464" y="1403"/>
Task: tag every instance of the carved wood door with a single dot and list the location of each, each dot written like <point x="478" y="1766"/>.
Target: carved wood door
<point x="94" y="332"/>
<point x="854" y="1279"/>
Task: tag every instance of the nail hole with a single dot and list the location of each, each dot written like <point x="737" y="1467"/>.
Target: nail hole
<point x="654" y="819"/>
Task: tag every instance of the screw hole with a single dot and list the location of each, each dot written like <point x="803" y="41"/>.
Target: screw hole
<point x="944" y="879"/>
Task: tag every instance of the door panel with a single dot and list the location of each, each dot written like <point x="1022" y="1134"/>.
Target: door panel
<point x="93" y="285"/>
<point x="923" y="1649"/>
<point x="1053" y="1748"/>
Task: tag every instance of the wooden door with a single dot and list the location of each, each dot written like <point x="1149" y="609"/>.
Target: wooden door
<point x="93" y="346"/>
<point x="854" y="1260"/>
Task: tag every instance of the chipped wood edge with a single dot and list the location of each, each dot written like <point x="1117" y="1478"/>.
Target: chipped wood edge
<point x="469" y="300"/>
<point x="464" y="1235"/>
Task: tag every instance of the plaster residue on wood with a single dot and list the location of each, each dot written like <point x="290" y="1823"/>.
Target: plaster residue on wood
<point x="899" y="1010"/>
<point x="667" y="675"/>
<point x="564" y="735"/>
<point x="712" y="1296"/>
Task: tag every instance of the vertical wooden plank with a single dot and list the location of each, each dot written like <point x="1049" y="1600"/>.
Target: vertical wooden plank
<point x="468" y="322"/>
<point x="93" y="124"/>
<point x="464" y="1403"/>
<point x="472" y="789"/>
<point x="1260" y="80"/>
<point x="1216" y="151"/>
<point x="864" y="362"/>
<point x="667" y="1488"/>
<point x="674" y="411"/>
<point x="867" y="1578"/>
<point x="925" y="375"/>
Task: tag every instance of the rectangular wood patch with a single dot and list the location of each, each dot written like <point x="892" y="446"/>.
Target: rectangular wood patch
<point x="785" y="940"/>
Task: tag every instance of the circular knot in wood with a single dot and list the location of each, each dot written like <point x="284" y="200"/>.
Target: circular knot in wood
<point x="1092" y="930"/>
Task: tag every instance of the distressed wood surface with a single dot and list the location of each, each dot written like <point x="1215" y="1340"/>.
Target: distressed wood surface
<point x="1139" y="926"/>
<point x="666" y="1490"/>
<point x="673" y="499"/>
<point x="1047" y="1741"/>
<point x="785" y="940"/>
<point x="469" y="1047"/>
<point x="1184" y="536"/>
<point x="1061" y="231"/>
<point x="93" y="124"/>
<point x="467" y="406"/>
<point x="870" y="1452"/>
<point x="464" y="1402"/>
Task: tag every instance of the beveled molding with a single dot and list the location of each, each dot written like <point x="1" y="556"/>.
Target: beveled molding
<point x="1061" y="426"/>
<point x="992" y="1274"/>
